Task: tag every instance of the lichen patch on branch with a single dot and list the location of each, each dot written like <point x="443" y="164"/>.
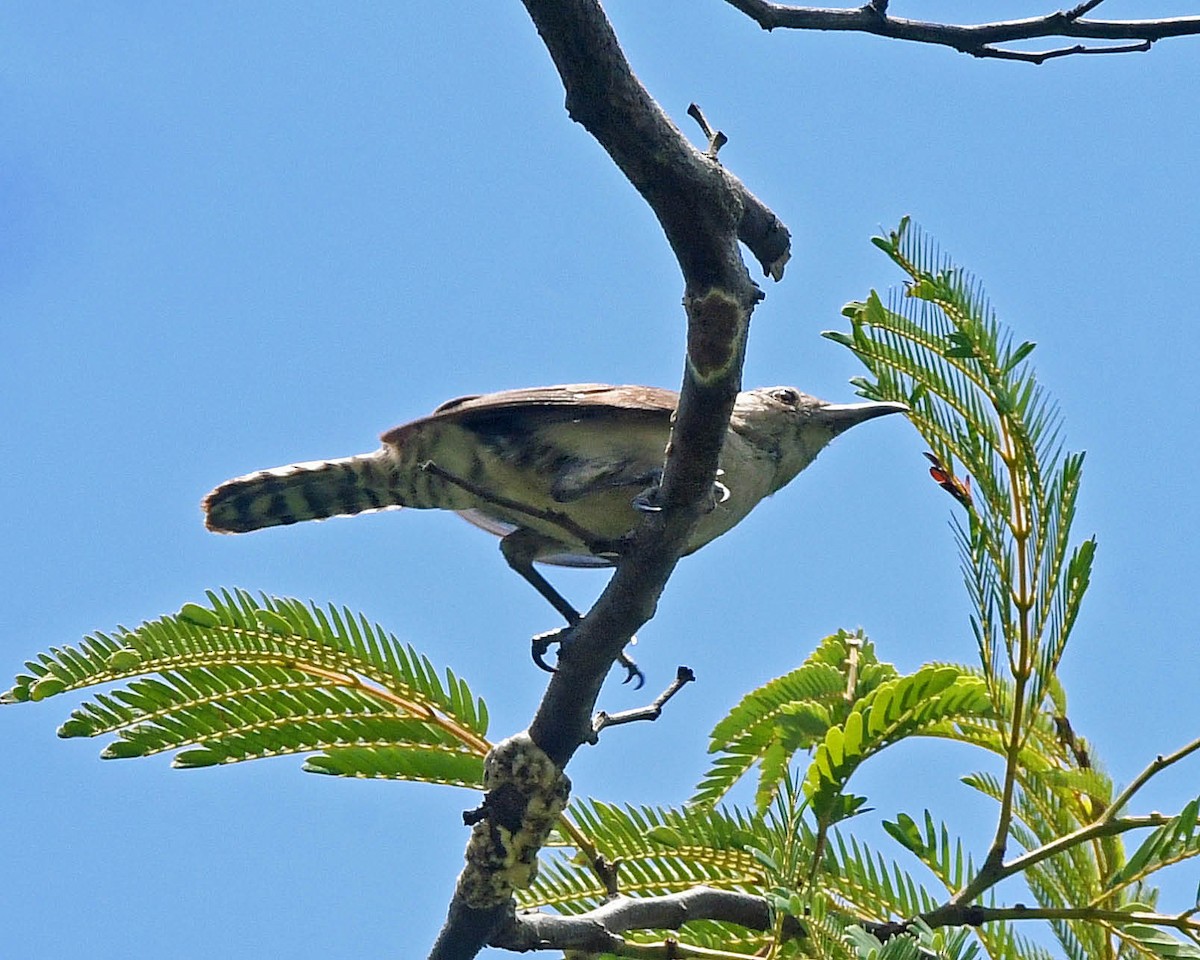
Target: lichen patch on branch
<point x="716" y="330"/>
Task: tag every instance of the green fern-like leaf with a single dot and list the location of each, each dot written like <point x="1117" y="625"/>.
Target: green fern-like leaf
<point x="790" y="713"/>
<point x="927" y="703"/>
<point x="1155" y="942"/>
<point x="870" y="885"/>
<point x="1002" y="941"/>
<point x="660" y="851"/>
<point x="934" y="847"/>
<point x="974" y="398"/>
<point x="244" y="678"/>
<point x="456" y="768"/>
<point x="1173" y="842"/>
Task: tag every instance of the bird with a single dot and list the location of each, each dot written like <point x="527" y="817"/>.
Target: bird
<point x="559" y="473"/>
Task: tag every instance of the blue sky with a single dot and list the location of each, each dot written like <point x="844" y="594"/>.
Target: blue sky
<point x="237" y="236"/>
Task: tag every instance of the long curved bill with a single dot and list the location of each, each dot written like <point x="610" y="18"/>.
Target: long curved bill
<point x="843" y="416"/>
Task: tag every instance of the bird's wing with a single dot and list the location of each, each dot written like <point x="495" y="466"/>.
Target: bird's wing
<point x="573" y="443"/>
<point x="514" y="411"/>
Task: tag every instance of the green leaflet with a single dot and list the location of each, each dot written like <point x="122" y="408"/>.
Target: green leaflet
<point x="1177" y="840"/>
<point x="923" y="704"/>
<point x="1159" y="943"/>
<point x="396" y="762"/>
<point x="792" y="712"/>
<point x="934" y="847"/>
<point x="247" y="677"/>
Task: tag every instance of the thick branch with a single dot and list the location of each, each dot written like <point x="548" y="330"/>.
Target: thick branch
<point x="702" y="208"/>
<point x="704" y="212"/>
<point x="599" y="930"/>
<point x="981" y="39"/>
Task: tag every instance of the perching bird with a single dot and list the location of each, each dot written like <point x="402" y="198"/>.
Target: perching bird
<point x="559" y="473"/>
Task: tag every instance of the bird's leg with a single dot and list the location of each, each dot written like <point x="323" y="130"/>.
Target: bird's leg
<point x="519" y="549"/>
<point x="550" y="516"/>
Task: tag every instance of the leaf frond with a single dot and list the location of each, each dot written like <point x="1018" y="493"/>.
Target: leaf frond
<point x="245" y="678"/>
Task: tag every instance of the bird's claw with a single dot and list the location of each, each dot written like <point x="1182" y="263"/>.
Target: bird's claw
<point x="632" y="671"/>
<point x="542" y="644"/>
<point x="647" y="500"/>
<point x="718" y="495"/>
<point x="544" y="641"/>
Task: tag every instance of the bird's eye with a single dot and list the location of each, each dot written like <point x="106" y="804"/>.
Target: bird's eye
<point x="786" y="395"/>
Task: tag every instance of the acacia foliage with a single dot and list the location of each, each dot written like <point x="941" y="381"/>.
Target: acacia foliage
<point x="241" y="677"/>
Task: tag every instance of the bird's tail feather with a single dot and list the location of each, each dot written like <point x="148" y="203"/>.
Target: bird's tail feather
<point x="301" y="491"/>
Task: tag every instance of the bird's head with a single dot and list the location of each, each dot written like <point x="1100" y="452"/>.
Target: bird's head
<point x="792" y="427"/>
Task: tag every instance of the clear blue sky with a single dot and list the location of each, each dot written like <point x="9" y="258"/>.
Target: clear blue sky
<point x="234" y="236"/>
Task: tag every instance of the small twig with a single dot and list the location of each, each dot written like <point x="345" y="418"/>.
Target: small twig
<point x="715" y="140"/>
<point x="855" y="645"/>
<point x="1157" y="765"/>
<point x="1042" y="56"/>
<point x="1086" y="7"/>
<point x="604" y="869"/>
<point x="653" y="711"/>
<point x="980" y="39"/>
<point x="974" y="915"/>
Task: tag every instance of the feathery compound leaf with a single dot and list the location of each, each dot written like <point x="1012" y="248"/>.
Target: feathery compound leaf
<point x="934" y="847"/>
<point x="926" y="703"/>
<point x="1176" y="840"/>
<point x="660" y="851"/>
<point x="1158" y="943"/>
<point x="420" y="763"/>
<point x="976" y="402"/>
<point x="874" y="887"/>
<point x="790" y="713"/>
<point x="246" y="678"/>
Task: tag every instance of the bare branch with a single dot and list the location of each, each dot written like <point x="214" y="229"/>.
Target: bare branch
<point x="683" y="676"/>
<point x="716" y="139"/>
<point x="704" y="212"/>
<point x="1155" y="767"/>
<point x="982" y="39"/>
<point x="974" y="916"/>
<point x="598" y="931"/>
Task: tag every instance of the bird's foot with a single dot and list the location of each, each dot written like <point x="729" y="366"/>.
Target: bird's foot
<point x="632" y="670"/>
<point x="647" y="500"/>
<point x="542" y="643"/>
<point x="718" y="495"/>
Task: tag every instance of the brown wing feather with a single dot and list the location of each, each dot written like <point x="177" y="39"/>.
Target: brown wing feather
<point x="546" y="405"/>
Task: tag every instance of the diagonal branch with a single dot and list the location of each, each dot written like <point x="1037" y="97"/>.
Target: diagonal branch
<point x="982" y="39"/>
<point x="704" y="212"/>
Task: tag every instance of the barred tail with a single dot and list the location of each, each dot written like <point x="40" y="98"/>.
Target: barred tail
<point x="302" y="491"/>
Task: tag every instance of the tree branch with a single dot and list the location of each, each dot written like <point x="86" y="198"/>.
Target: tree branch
<point x="1154" y="767"/>
<point x="603" y="719"/>
<point x="967" y="915"/>
<point x="599" y="930"/>
<point x="704" y="212"/>
<point x="979" y="40"/>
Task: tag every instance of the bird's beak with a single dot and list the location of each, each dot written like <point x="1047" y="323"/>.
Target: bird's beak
<point x="842" y="416"/>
